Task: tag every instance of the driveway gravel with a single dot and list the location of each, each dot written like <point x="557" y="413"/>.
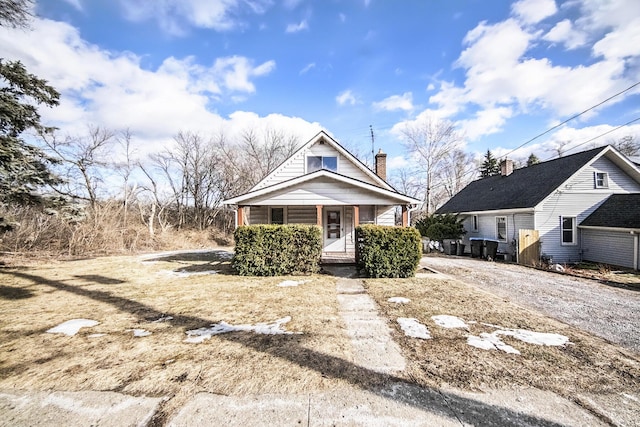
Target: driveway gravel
<point x="609" y="312"/>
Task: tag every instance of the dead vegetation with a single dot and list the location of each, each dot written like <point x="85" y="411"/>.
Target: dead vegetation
<point x="587" y="365"/>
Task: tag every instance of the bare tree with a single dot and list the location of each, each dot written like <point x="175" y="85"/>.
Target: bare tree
<point x="456" y="172"/>
<point x="430" y="141"/>
<point x="15" y="13"/>
<point x="84" y="159"/>
<point x="627" y="145"/>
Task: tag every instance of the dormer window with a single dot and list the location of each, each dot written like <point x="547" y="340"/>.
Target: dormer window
<point x="315" y="163"/>
<point x="602" y="180"/>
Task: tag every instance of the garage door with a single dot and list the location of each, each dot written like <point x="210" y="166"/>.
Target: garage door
<point x="608" y="247"/>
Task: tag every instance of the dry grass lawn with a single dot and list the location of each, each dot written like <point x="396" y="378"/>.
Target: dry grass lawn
<point x="125" y="293"/>
<point x="587" y="365"/>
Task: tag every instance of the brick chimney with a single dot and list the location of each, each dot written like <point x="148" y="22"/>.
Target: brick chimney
<point x="381" y="164"/>
<point x="506" y="167"/>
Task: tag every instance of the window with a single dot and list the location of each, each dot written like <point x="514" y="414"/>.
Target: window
<point x="568" y="224"/>
<point x="602" y="180"/>
<point x="277" y="216"/>
<point x="501" y="228"/>
<point x="367" y="214"/>
<point x="315" y="163"/>
<point x="474" y="223"/>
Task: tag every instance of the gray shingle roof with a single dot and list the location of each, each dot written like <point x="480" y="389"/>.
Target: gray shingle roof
<point x="524" y="188"/>
<point x="618" y="211"/>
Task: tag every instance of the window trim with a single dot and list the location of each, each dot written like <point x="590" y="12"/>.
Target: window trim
<point x="475" y="223"/>
<point x="506" y="229"/>
<point x="574" y="231"/>
<point x="306" y="163"/>
<point x="605" y="179"/>
<point x="373" y="211"/>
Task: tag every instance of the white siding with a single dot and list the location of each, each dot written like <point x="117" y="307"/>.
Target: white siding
<point x="609" y="247"/>
<point x="349" y="229"/>
<point x="302" y="215"/>
<point x="487" y="229"/>
<point x="386" y="215"/>
<point x="618" y="181"/>
<point x="323" y="191"/>
<point x="296" y="166"/>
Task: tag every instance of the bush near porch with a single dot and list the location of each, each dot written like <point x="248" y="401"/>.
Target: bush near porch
<point x="275" y="250"/>
<point x="384" y="251"/>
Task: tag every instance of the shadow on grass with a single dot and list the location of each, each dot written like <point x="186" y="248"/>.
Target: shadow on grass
<point x="389" y="386"/>
<point x="11" y="293"/>
<point x="193" y="256"/>
<point x="97" y="278"/>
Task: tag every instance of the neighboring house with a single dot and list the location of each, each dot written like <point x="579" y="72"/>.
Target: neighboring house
<point x="324" y="184"/>
<point x="610" y="233"/>
<point x="552" y="197"/>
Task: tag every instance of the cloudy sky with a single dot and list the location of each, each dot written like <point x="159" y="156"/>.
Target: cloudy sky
<point x="503" y="71"/>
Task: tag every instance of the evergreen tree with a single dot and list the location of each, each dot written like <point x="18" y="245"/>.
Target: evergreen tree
<point x="489" y="166"/>
<point x="23" y="167"/>
<point x="533" y="160"/>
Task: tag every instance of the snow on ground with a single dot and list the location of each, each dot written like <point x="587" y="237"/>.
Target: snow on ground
<point x="413" y="328"/>
<point x="140" y="332"/>
<point x="490" y="342"/>
<point x="182" y="273"/>
<point x="290" y="283"/>
<point x="71" y="327"/>
<point x="538" y="338"/>
<point x="274" y="328"/>
<point x="399" y="300"/>
<point x="447" y="321"/>
<point x="95" y="335"/>
<point x="163" y="319"/>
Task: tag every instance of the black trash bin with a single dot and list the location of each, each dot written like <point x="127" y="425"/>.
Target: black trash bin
<point x="449" y="247"/>
<point x="476" y="247"/>
<point x="460" y="249"/>
<point x="491" y="248"/>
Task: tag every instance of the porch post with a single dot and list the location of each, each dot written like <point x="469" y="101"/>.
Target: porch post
<point x="319" y="215"/>
<point x="405" y="216"/>
<point x="356" y="216"/>
<point x="240" y="216"/>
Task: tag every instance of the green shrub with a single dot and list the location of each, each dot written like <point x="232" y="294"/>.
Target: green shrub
<point x="441" y="227"/>
<point x="387" y="251"/>
<point x="275" y="250"/>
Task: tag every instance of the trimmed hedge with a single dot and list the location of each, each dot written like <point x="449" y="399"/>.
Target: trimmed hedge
<point x="275" y="250"/>
<point x="385" y="251"/>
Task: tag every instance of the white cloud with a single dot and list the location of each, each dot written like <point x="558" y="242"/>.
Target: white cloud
<point x="346" y="98"/>
<point x="77" y="4"/>
<point x="396" y="102"/>
<point x="485" y="122"/>
<point x="534" y="11"/>
<point x="307" y="68"/>
<point x="622" y="43"/>
<point x="564" y="32"/>
<point x="397" y="162"/>
<point x="111" y="89"/>
<point x="175" y="16"/>
<point x="294" y="28"/>
<point x="291" y="4"/>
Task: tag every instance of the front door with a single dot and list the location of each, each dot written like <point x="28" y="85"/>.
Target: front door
<point x="334" y="239"/>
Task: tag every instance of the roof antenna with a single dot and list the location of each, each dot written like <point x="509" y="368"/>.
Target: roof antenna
<point x="373" y="157"/>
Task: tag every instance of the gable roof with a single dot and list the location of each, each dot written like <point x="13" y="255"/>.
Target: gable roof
<point x="618" y="211"/>
<point x="392" y="195"/>
<point x="526" y="187"/>
<point x="322" y="136"/>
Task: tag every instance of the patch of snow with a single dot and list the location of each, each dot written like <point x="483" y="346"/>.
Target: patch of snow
<point x="450" y="322"/>
<point x="399" y="300"/>
<point x="413" y="328"/>
<point x="538" y="338"/>
<point x="95" y="335"/>
<point x="558" y="268"/>
<point x="274" y="328"/>
<point x="140" y="332"/>
<point x="290" y="283"/>
<point x="71" y="327"/>
<point x="628" y="396"/>
<point x="490" y="342"/>
<point x="163" y="319"/>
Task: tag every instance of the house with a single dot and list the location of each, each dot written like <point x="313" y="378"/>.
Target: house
<point x="322" y="183"/>
<point x="551" y="199"/>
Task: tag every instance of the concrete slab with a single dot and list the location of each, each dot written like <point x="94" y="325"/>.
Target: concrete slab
<point x="80" y="408"/>
<point x="621" y="409"/>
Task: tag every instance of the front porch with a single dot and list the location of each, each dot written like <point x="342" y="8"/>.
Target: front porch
<point x="338" y="258"/>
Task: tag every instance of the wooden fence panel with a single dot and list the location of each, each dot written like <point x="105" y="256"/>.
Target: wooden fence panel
<point x="529" y="247"/>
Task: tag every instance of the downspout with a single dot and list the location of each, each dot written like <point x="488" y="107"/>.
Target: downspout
<point x="409" y="214"/>
<point x="636" y="241"/>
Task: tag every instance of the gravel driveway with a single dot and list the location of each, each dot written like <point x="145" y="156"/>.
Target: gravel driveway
<point x="609" y="312"/>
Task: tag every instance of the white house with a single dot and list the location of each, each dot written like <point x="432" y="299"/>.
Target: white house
<point x="324" y="184"/>
<point x="552" y="197"/>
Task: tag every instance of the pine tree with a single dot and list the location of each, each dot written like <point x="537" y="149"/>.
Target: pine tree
<point x="533" y="160"/>
<point x="489" y="166"/>
<point x="24" y="168"/>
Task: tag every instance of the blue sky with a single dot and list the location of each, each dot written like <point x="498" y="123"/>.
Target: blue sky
<point x="503" y="71"/>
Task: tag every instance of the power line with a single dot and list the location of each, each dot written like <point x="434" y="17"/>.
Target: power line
<point x="571" y="118"/>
